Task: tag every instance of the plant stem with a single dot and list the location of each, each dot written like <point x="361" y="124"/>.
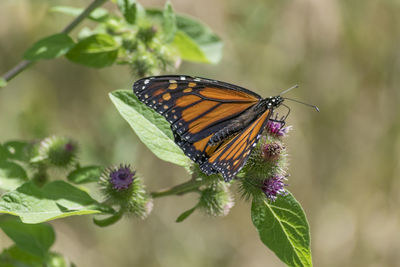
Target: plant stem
<point x="95" y="4"/>
<point x="109" y="220"/>
<point x="180" y="189"/>
<point x="24" y="64"/>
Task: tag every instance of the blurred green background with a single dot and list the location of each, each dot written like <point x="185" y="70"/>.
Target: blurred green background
<point x="344" y="160"/>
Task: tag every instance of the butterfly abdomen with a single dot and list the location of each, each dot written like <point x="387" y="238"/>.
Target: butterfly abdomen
<point x="236" y="125"/>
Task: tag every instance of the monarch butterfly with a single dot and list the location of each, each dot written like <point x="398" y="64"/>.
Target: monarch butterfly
<point x="216" y="124"/>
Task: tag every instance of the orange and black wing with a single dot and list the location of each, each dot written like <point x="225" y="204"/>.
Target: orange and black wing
<point x="229" y="158"/>
<point x="196" y="109"/>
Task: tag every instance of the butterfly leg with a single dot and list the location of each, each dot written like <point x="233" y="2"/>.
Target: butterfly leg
<point x="282" y="120"/>
<point x="287" y="114"/>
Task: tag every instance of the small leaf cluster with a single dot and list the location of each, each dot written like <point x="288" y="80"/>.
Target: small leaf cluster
<point x="150" y="41"/>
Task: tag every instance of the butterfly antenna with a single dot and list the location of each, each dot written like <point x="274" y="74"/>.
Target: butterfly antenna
<point x="294" y="100"/>
<point x="289" y="89"/>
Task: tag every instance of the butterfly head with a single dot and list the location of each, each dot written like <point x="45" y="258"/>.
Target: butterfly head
<point x="274" y="101"/>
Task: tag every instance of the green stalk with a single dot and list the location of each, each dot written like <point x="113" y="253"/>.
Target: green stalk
<point x="109" y="220"/>
<point x="180" y="189"/>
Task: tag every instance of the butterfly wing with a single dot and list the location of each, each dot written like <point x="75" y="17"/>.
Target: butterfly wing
<point x="196" y="108"/>
<point x="230" y="158"/>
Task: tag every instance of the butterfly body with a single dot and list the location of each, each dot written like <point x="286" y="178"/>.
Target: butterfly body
<point x="216" y="124"/>
<point x="245" y="119"/>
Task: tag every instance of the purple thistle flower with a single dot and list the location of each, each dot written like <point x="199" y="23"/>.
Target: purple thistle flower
<point x="273" y="187"/>
<point x="275" y="128"/>
<point x="69" y="147"/>
<point x="271" y="151"/>
<point x="122" y="177"/>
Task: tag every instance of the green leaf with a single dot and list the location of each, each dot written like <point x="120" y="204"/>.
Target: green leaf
<point x="3" y="83"/>
<point x="16" y="257"/>
<point x="204" y="45"/>
<point x="54" y="200"/>
<point x="18" y="150"/>
<point x="209" y="43"/>
<point x="188" y="49"/>
<point x="128" y="9"/>
<point x="85" y="32"/>
<point x="185" y="215"/>
<point x="11" y="175"/>
<point x="169" y="23"/>
<point x="283" y="228"/>
<point x="98" y="51"/>
<point x="50" y="47"/>
<point x="34" y="238"/>
<point x="152" y="129"/>
<point x="99" y="14"/>
<point x="4" y="154"/>
<point x="86" y="174"/>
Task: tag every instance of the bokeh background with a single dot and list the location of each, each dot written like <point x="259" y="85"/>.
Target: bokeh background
<point x="344" y="160"/>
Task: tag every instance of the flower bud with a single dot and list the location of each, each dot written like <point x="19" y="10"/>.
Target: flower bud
<point x="276" y="129"/>
<point x="146" y="32"/>
<point x="274" y="186"/>
<point x="216" y="200"/>
<point x="269" y="157"/>
<point x="56" y="151"/>
<point x="121" y="178"/>
<point x="272" y="151"/>
<point x="121" y="187"/>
